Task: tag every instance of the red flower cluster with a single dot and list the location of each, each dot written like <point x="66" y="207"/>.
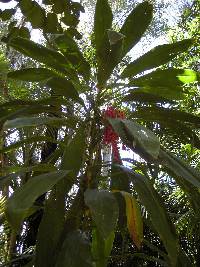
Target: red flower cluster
<point x="110" y="136"/>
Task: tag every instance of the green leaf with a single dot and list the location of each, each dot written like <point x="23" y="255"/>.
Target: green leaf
<point x="159" y="217"/>
<point x="7" y="14"/>
<point x="64" y="87"/>
<point x="135" y="25"/>
<point x="102" y="22"/>
<point x="70" y="49"/>
<point x="42" y="54"/>
<point x="159" y="55"/>
<point x="118" y="182"/>
<point x="138" y="135"/>
<point x="32" y="74"/>
<point x="134" y="219"/>
<point x="166" y="114"/>
<point x="101" y="248"/>
<point x="33" y="121"/>
<point x="33" y="12"/>
<point x="170" y="93"/>
<point x="51" y="24"/>
<point x="180" y="168"/>
<point x="51" y="227"/>
<point x="73" y="156"/>
<point x="145" y="97"/>
<point x="166" y="78"/>
<point x="75" y="252"/>
<point x="20" y="203"/>
<point x="104" y="209"/>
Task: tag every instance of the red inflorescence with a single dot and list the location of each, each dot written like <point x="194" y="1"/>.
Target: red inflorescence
<point x="110" y="136"/>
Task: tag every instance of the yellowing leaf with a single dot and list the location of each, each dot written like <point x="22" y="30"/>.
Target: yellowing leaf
<point x="134" y="219"/>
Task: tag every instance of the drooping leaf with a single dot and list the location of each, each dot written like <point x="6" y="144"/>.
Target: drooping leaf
<point x="134" y="219"/>
<point x="75" y="252"/>
<point x="42" y="54"/>
<point x="135" y="25"/>
<point x="159" y="217"/>
<point x="180" y="168"/>
<point x="157" y="56"/>
<point x="104" y="209"/>
<point x="101" y="248"/>
<point x="138" y="135"/>
<point x="33" y="121"/>
<point x="20" y="203"/>
<point x="32" y="74"/>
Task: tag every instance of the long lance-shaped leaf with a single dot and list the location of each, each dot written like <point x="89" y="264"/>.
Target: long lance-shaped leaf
<point x="75" y="252"/>
<point x="64" y="87"/>
<point x="168" y="114"/>
<point x="42" y="54"/>
<point x="70" y="49"/>
<point x="49" y="237"/>
<point x="102" y="22"/>
<point x="166" y="78"/>
<point x="180" y="168"/>
<point x="20" y="204"/>
<point x="159" y="217"/>
<point x="33" y="121"/>
<point x="157" y="56"/>
<point x="145" y="97"/>
<point x="137" y="135"/>
<point x="104" y="209"/>
<point x="32" y="74"/>
<point x="101" y="248"/>
<point x="134" y="219"/>
<point x="135" y="25"/>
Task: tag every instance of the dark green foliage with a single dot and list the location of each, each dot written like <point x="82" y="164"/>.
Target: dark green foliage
<point x="62" y="206"/>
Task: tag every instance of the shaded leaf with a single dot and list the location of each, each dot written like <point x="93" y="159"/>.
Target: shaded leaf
<point x="104" y="208"/>
<point x="33" y="121"/>
<point x="159" y="55"/>
<point x="166" y="78"/>
<point x="64" y="87"/>
<point x="70" y="49"/>
<point x="75" y="252"/>
<point x="20" y="203"/>
<point x="161" y="113"/>
<point x="42" y="54"/>
<point x="33" y="12"/>
<point x="145" y="97"/>
<point x="135" y="25"/>
<point x="7" y="14"/>
<point x="180" y="168"/>
<point x="159" y="217"/>
<point x="102" y="21"/>
<point x="32" y="74"/>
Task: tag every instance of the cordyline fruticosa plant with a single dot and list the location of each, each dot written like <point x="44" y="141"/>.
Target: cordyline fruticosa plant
<point x="85" y="101"/>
